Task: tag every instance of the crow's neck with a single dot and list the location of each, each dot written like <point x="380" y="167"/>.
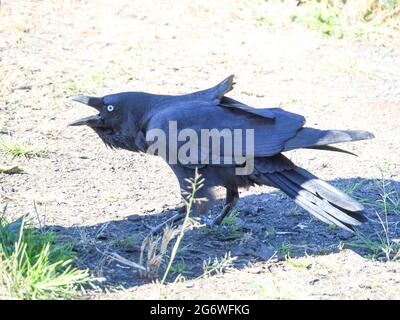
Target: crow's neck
<point x="148" y="105"/>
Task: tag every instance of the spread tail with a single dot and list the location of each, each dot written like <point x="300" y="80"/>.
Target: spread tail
<point x="319" y="198"/>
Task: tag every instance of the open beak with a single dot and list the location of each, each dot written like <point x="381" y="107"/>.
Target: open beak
<point x="94" y="121"/>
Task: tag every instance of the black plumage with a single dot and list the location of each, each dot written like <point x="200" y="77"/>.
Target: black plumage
<point x="124" y="120"/>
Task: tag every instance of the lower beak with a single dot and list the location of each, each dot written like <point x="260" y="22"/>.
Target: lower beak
<point x="91" y="121"/>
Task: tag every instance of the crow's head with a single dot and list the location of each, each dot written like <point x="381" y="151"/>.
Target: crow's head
<point x="110" y="117"/>
<point x="115" y="121"/>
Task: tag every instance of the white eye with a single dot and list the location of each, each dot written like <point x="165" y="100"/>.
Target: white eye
<point x="110" y="108"/>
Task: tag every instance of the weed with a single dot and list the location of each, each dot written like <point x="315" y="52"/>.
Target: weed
<point x="298" y="263"/>
<point x="231" y="222"/>
<point x="18" y="149"/>
<point x="270" y="232"/>
<point x="286" y="249"/>
<point x="127" y="243"/>
<point x="378" y="248"/>
<point x="337" y="18"/>
<point x="351" y="188"/>
<point x="217" y="266"/>
<point x="320" y="18"/>
<point x="389" y="198"/>
<point x="180" y="268"/>
<point x="34" y="266"/>
<point x="382" y="246"/>
<point x="189" y="200"/>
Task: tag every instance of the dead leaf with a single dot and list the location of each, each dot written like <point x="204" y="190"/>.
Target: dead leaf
<point x="11" y="169"/>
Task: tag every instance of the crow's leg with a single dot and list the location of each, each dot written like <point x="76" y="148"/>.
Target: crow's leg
<point x="209" y="199"/>
<point x="232" y="197"/>
<point x="176" y="217"/>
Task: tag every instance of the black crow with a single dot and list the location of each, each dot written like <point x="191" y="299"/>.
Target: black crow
<point x="248" y="148"/>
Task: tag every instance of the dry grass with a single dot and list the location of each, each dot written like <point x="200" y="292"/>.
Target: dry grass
<point x="156" y="252"/>
<point x="350" y="19"/>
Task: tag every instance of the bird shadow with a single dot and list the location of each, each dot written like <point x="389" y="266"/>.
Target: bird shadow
<point x="266" y="227"/>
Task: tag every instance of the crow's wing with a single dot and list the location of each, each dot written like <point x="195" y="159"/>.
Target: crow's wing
<point x="241" y="107"/>
<point x="270" y="133"/>
<point x="214" y="94"/>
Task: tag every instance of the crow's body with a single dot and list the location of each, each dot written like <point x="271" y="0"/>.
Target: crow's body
<point x="125" y="119"/>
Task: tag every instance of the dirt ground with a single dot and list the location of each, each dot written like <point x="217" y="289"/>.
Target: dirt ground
<point x="104" y="201"/>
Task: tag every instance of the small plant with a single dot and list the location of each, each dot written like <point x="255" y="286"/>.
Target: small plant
<point x="335" y="18"/>
<point x="298" y="263"/>
<point x="382" y="247"/>
<point x="286" y="249"/>
<point x="34" y="266"/>
<point x="18" y="149"/>
<point x="189" y="200"/>
<point x="217" y="266"/>
<point x="332" y="226"/>
<point x="231" y="222"/>
<point x="389" y="198"/>
<point x="270" y="232"/>
<point x="321" y="18"/>
<point x="128" y="243"/>
<point x="350" y="188"/>
<point x="377" y="249"/>
<point x="180" y="268"/>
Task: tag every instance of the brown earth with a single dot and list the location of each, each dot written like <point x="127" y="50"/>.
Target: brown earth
<point x="98" y="198"/>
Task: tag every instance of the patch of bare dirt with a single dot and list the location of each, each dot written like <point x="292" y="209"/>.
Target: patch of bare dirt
<point x="98" y="199"/>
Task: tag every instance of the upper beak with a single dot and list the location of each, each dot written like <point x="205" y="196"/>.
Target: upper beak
<point x="93" y="102"/>
<point x="91" y="121"/>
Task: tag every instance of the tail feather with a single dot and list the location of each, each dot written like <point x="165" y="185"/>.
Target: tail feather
<point x="323" y="189"/>
<point x="310" y="137"/>
<point x="319" y="198"/>
<point x="330" y="148"/>
<point x="294" y="192"/>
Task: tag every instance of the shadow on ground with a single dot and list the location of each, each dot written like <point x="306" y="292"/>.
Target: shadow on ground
<point x="267" y="226"/>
